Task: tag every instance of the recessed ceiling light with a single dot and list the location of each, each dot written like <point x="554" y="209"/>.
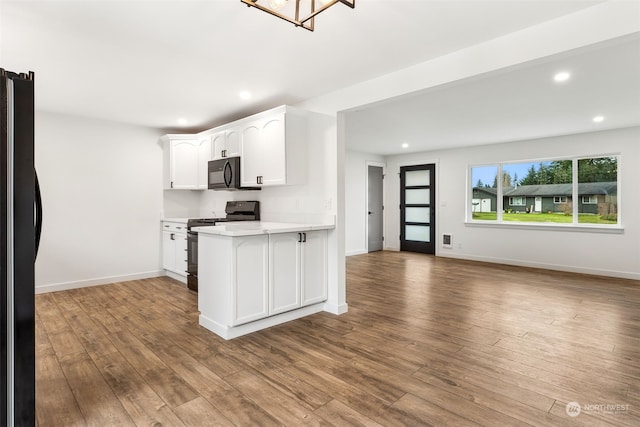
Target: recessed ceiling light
<point x="182" y="122"/>
<point x="245" y="94"/>
<point x="405" y="145"/>
<point x="562" y="76"/>
<point x="598" y="119"/>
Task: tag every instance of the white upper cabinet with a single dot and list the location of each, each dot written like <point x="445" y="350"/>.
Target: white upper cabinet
<point x="226" y="143"/>
<point x="272" y="146"/>
<point x="202" y="163"/>
<point x="183" y="157"/>
<point x="186" y="158"/>
<point x="273" y="149"/>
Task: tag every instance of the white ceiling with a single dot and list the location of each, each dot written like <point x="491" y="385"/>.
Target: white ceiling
<point x="152" y="62"/>
<point x="514" y="104"/>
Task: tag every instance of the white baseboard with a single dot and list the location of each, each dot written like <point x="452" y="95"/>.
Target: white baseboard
<point x="42" y="289"/>
<point x="336" y="309"/>
<point x="556" y="267"/>
<point x="175" y="276"/>
<point x="229" y="332"/>
<point x="356" y="252"/>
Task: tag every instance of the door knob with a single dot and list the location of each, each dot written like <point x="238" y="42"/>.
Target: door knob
<point x="370" y="212"/>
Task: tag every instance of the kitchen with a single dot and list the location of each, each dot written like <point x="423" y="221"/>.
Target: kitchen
<point x="252" y="269"/>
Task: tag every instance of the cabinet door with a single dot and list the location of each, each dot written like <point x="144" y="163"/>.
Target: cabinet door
<point x="219" y="144"/>
<point x="204" y="155"/>
<point x="168" y="251"/>
<point x="184" y="158"/>
<point x="250" y="267"/>
<point x="251" y="170"/>
<point x="232" y="143"/>
<point x="273" y="154"/>
<point x="284" y="272"/>
<point x="314" y="267"/>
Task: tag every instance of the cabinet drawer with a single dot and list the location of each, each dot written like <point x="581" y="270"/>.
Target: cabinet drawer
<point x="174" y="227"/>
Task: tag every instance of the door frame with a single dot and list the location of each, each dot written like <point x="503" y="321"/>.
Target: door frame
<point x="366" y="203"/>
<point x="396" y="170"/>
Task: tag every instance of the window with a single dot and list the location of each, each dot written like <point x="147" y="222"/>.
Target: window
<point x="598" y="186"/>
<point x="517" y="201"/>
<point x="559" y="199"/>
<point x="484" y="201"/>
<point x="575" y="191"/>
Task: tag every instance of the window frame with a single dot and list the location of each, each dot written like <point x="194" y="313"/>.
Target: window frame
<point x="591" y="197"/>
<point x="522" y="199"/>
<point x="566" y="199"/>
<point x="574" y="199"/>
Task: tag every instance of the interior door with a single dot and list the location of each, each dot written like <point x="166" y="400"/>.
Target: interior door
<point x="375" y="209"/>
<point x="417" y="208"/>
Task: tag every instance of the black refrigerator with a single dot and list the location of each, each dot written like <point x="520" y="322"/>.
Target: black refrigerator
<point x="20" y="225"/>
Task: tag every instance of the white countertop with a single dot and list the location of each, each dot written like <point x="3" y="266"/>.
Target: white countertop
<point x="180" y="220"/>
<point x="251" y="228"/>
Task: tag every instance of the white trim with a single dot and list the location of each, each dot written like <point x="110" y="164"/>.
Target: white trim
<point x="356" y="252"/>
<point x="550" y="226"/>
<point x="229" y="332"/>
<point x="336" y="309"/>
<point x="555" y="267"/>
<point x="366" y="201"/>
<point x="97" y="281"/>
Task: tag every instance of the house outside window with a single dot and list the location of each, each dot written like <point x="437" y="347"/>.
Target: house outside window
<point x="517" y="201"/>
<point x="559" y="199"/>
<point x="568" y="191"/>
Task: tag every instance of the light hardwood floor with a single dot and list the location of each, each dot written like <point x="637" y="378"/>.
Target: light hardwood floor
<point x="426" y="341"/>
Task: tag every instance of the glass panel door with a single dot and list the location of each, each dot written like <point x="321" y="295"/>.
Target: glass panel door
<point x="417" y="208"/>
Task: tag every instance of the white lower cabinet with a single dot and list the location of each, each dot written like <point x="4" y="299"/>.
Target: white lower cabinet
<point x="250" y="279"/>
<point x="297" y="270"/>
<point x="174" y="248"/>
<point x="313" y="271"/>
<point x="284" y="272"/>
<point x="243" y="279"/>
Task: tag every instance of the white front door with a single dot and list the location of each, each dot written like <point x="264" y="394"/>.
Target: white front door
<point x="538" y="207"/>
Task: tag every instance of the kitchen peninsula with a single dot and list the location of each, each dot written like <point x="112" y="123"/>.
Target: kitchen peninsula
<point x="254" y="275"/>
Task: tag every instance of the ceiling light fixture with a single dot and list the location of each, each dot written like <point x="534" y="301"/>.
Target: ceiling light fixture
<point x="405" y="145"/>
<point x="562" y="76"/>
<point x="182" y="122"/>
<point x="300" y="13"/>
<point x="598" y="119"/>
<point x="245" y="94"/>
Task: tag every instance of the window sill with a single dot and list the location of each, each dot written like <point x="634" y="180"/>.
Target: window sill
<point x="581" y="228"/>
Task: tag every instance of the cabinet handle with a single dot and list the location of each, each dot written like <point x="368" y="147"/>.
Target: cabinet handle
<point x="224" y="153"/>
<point x="299" y="237"/>
<point x="173" y="236"/>
<point x="259" y="179"/>
<point x="305" y="237"/>
<point x="171" y="184"/>
<point x="166" y="226"/>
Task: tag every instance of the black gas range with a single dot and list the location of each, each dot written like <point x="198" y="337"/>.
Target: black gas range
<point x="236" y="211"/>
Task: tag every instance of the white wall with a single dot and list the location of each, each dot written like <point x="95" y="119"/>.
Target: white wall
<point x="613" y="254"/>
<point x="102" y="201"/>
<point x="356" y="172"/>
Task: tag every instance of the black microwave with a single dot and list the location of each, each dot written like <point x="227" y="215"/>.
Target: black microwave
<point x="224" y="174"/>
